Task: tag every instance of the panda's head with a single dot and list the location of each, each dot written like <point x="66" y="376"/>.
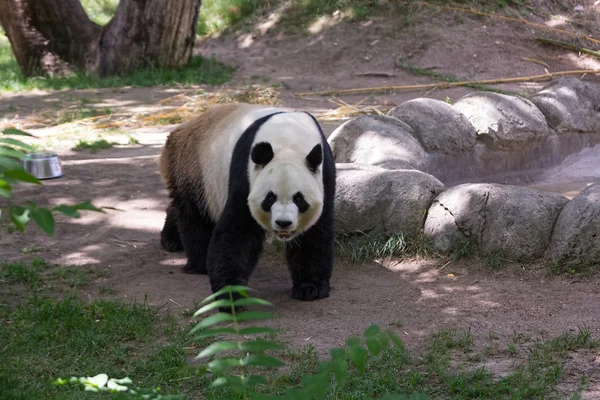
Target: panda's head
<point x="286" y="195"/>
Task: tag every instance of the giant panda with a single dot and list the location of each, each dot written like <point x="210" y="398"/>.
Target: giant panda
<point x="239" y="172"/>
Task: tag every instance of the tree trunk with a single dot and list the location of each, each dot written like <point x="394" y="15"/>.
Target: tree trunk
<point x="51" y="37"/>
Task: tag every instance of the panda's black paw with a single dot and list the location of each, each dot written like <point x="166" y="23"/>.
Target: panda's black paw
<point x="191" y="268"/>
<point x="170" y="244"/>
<point x="309" y="291"/>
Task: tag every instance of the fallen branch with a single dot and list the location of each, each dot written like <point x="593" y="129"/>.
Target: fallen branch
<point x="446" y="85"/>
<point x="405" y="65"/>
<point x="568" y="46"/>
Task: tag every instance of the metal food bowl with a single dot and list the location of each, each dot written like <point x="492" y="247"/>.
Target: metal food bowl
<point x="44" y="165"/>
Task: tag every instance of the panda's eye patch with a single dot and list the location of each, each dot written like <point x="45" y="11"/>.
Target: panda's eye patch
<point x="268" y="201"/>
<point x="300" y="202"/>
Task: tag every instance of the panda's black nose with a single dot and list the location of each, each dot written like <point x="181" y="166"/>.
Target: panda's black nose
<point x="283" y="223"/>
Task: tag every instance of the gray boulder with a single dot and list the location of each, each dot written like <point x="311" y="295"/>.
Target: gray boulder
<point x="513" y="221"/>
<point x="576" y="236"/>
<point x="377" y="140"/>
<point x="438" y="126"/>
<point x="381" y="201"/>
<point x="503" y="121"/>
<point x="570" y="105"/>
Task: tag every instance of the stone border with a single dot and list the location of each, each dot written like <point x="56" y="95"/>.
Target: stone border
<point x="391" y="169"/>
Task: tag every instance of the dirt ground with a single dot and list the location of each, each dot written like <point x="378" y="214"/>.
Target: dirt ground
<point x="414" y="297"/>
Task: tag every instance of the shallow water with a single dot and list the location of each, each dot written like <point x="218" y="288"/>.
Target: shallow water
<point x="574" y="174"/>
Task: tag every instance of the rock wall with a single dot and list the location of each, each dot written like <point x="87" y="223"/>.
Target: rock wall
<point x="391" y="169"/>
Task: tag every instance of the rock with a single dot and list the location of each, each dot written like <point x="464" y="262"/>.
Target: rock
<point x="377" y="140"/>
<point x="382" y="201"/>
<point x="512" y="221"/>
<point x="570" y="105"/>
<point x="576" y="236"/>
<point x="503" y="121"/>
<point x="438" y="126"/>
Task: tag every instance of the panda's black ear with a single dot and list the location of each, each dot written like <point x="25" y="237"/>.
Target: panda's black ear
<point x="314" y="158"/>
<point x="262" y="153"/>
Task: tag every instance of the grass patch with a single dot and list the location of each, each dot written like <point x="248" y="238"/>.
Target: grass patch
<point x="20" y="272"/>
<point x="94" y="146"/>
<point x="361" y="247"/>
<point x="218" y="15"/>
<point x="198" y="71"/>
<point x="45" y="338"/>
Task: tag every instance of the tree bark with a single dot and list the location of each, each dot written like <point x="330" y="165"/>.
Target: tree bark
<point x="54" y="37"/>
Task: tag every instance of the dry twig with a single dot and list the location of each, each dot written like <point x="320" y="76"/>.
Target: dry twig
<point x="446" y="85"/>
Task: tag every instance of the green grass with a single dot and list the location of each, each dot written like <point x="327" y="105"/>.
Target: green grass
<point x="361" y="247"/>
<point x="20" y="272"/>
<point x="94" y="146"/>
<point x="198" y="71"/>
<point x="45" y="339"/>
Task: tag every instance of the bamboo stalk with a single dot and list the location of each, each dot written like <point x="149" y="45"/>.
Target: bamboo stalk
<point x="445" y="85"/>
<point x="568" y="46"/>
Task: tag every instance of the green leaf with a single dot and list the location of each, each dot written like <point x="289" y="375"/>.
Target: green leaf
<point x="216" y="332"/>
<point x="373" y="345"/>
<point x="256" y="330"/>
<point x="12" y="153"/>
<point x="250" y="301"/>
<point x="221" y="365"/>
<point x="5" y="189"/>
<point x="226" y="290"/>
<point x="16" y="132"/>
<point x="358" y="355"/>
<point x="86" y="205"/>
<point x="321" y="385"/>
<point x="67" y="210"/>
<point x="213" y="319"/>
<point x="254" y="315"/>
<point x="17" y="143"/>
<point x="213" y="305"/>
<point x="217" y="347"/>
<point x="9" y="163"/>
<point x="43" y="217"/>
<point x="372" y="330"/>
<point x="20" y="217"/>
<point x="338" y="353"/>
<point x="73" y="210"/>
<point x="235" y="382"/>
<point x="260" y="360"/>
<point x="395" y="338"/>
<point x="340" y="369"/>
<point x="260" y="345"/>
<point x="254" y="380"/>
<point x="353" y="341"/>
<point x="219" y="383"/>
<point x="22" y="175"/>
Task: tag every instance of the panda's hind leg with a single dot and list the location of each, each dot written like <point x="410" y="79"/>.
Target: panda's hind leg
<point x="195" y="229"/>
<point x="169" y="235"/>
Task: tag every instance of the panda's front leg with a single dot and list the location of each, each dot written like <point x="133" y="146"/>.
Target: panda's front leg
<point x="310" y="260"/>
<point x="234" y="250"/>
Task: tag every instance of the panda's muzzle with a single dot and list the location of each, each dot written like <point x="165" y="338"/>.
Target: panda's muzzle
<point x="284" y="235"/>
